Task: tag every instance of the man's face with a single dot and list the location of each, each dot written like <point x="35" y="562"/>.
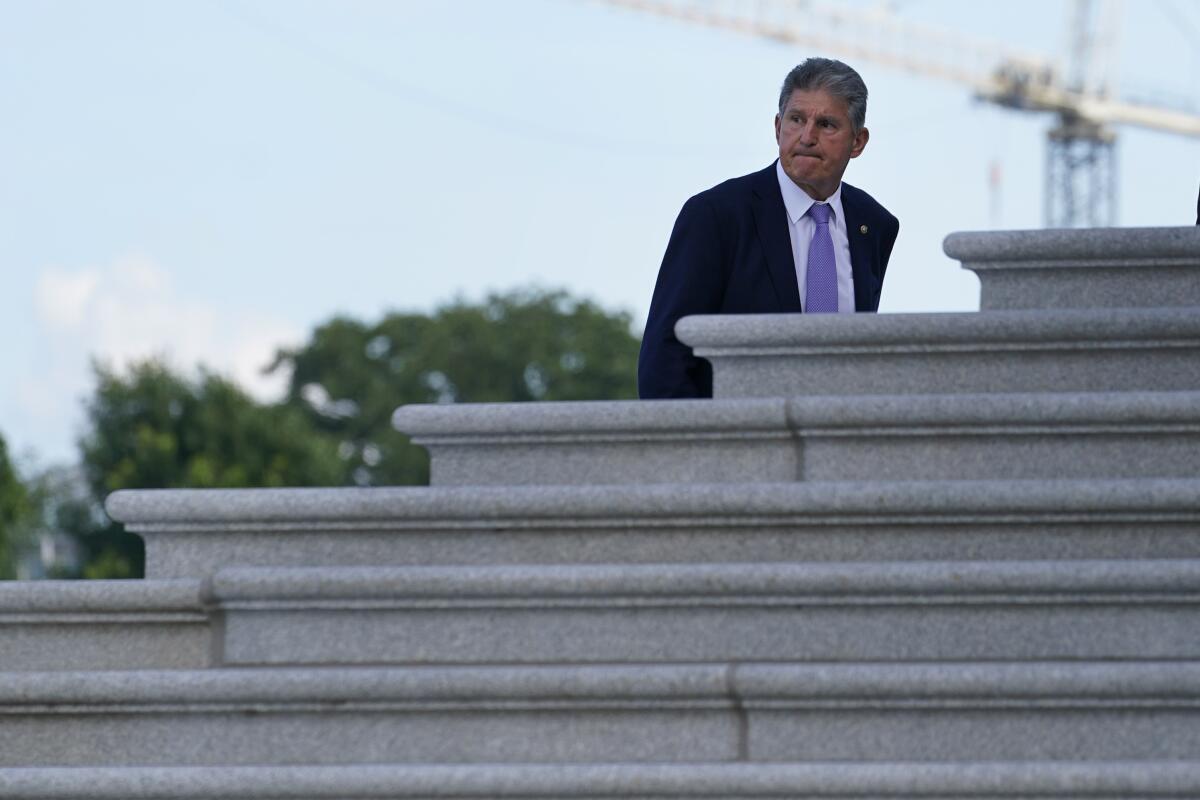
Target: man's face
<point x="816" y="141"/>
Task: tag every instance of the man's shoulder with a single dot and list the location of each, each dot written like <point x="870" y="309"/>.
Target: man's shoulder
<point x="736" y="192"/>
<point x="743" y="184"/>
<point x="865" y="204"/>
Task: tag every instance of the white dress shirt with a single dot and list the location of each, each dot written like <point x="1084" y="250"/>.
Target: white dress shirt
<point x="801" y="228"/>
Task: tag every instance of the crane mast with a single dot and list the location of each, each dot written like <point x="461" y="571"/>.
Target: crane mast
<point x="1080" y="169"/>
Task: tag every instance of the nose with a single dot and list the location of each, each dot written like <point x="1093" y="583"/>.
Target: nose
<point x="808" y="133"/>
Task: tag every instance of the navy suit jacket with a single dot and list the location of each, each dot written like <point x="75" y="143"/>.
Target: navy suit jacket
<point x="731" y="253"/>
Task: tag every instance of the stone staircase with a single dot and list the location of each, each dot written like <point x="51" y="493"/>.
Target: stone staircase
<point x="911" y="556"/>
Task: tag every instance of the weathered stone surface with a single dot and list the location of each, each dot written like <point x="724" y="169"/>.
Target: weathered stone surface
<point x="1083" y="268"/>
<point x="598" y="443"/>
<point x="358" y="716"/>
<point x="516" y="421"/>
<point x="74" y="625"/>
<point x="1070" y="350"/>
<point x="969" y="712"/>
<point x="678" y="712"/>
<point x="196" y="533"/>
<point x="897" y="611"/>
<point x="999" y="436"/>
<point x="826" y="438"/>
<point x="730" y="781"/>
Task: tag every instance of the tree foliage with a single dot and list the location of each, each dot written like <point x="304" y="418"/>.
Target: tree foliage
<point x="154" y="429"/>
<point x="150" y="427"/>
<point x="14" y="512"/>
<point x="526" y="345"/>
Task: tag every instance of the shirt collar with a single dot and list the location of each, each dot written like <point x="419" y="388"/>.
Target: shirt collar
<point x="797" y="201"/>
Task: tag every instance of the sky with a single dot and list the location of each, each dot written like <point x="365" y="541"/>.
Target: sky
<point x="207" y="180"/>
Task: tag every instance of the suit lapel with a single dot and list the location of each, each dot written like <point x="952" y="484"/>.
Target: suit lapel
<point x="862" y="249"/>
<point x="771" y="222"/>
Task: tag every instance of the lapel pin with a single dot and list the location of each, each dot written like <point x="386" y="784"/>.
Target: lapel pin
<point x="862" y="229"/>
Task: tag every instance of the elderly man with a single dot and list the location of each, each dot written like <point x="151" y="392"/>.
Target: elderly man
<point x="790" y="238"/>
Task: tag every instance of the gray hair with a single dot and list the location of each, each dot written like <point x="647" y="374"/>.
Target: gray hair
<point x="839" y="79"/>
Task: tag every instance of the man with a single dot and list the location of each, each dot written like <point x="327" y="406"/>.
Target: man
<point x="789" y="238"/>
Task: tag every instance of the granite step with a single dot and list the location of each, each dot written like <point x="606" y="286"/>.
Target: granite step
<point x="1063" y="780"/>
<point x="98" y="625"/>
<point x="1040" y="350"/>
<point x="604" y="442"/>
<point x="1082" y="268"/>
<point x="195" y="533"/>
<point x="892" y="611"/>
<point x="907" y="437"/>
<point x="946" y="711"/>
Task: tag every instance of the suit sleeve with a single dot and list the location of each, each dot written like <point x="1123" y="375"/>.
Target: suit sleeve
<point x="691" y="280"/>
<point x="888" y="242"/>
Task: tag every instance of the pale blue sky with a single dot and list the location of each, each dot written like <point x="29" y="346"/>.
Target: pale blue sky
<point x="209" y="180"/>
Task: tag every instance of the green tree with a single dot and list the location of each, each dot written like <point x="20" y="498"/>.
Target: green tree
<point x="154" y="429"/>
<point x="15" y="510"/>
<point x="151" y="428"/>
<point x="61" y="503"/>
<point x="525" y="345"/>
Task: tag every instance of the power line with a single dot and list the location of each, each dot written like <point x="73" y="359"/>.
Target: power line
<point x="460" y="108"/>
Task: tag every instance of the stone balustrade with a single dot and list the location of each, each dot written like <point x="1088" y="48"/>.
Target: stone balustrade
<point x="918" y="556"/>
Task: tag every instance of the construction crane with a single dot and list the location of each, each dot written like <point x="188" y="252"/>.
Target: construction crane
<point x="1080" y="188"/>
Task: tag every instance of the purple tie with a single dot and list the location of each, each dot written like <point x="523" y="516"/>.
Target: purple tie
<point x="821" y="277"/>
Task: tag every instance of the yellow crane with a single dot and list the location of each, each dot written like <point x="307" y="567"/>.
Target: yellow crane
<point x="1080" y="187"/>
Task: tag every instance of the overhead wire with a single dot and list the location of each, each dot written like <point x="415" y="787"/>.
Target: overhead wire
<point x="460" y="108"/>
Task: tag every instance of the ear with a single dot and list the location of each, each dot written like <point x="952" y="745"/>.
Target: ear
<point x="778" y="119"/>
<point x="860" y="142"/>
